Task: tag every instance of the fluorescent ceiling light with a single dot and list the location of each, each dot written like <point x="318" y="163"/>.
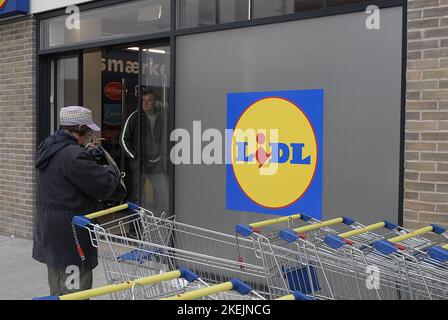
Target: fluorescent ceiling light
<point x="155" y="51"/>
<point x="148" y="50"/>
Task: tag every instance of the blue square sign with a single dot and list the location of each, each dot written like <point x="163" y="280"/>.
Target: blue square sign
<point x="275" y="152"/>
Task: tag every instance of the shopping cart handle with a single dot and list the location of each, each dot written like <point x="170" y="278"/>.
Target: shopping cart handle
<point x="301" y="296"/>
<point x="81" y="221"/>
<point x="296" y="295"/>
<point x="438" y="229"/>
<point x="132" y="206"/>
<point x="129" y="205"/>
<point x="439" y="254"/>
<point x="386" y="247"/>
<point x="244" y="230"/>
<point x="235" y="284"/>
<point x="47" y="298"/>
<point x="240" y="287"/>
<point x="390" y="225"/>
<point x="334" y="241"/>
<point x="188" y="275"/>
<point x="289" y="235"/>
<point x="112" y="288"/>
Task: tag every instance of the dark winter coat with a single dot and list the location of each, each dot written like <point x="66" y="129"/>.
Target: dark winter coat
<point x="69" y="183"/>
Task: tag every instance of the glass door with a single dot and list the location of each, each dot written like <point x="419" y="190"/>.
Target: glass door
<point x="127" y="90"/>
<point x="153" y="121"/>
<point x="65" y="86"/>
<point x="144" y="135"/>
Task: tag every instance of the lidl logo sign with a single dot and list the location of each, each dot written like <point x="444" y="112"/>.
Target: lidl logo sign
<point x="10" y="8"/>
<point x="275" y="152"/>
<point x="3" y="4"/>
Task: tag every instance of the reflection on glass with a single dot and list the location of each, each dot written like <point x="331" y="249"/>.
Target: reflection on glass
<point x="333" y="3"/>
<point x="144" y="136"/>
<point x="67" y="84"/>
<point x="268" y="8"/>
<point x="115" y="21"/>
<point x="154" y="183"/>
<point x="234" y="10"/>
<point x="197" y="13"/>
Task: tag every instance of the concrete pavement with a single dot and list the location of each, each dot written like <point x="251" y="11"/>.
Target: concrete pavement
<point x="23" y="278"/>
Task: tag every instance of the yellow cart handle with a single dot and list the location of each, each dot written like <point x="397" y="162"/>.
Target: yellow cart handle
<point x="366" y="229"/>
<point x="83" y="221"/>
<point x="412" y="234"/>
<point x="337" y="241"/>
<point x="234" y="284"/>
<point x="271" y="222"/>
<point x="391" y="245"/>
<point x="246" y="230"/>
<point x="293" y="235"/>
<point x="318" y="226"/>
<point x="106" y="212"/>
<point x="113" y="288"/>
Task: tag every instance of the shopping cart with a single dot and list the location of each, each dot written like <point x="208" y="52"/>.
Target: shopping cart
<point x="301" y="266"/>
<point x="152" y="287"/>
<point x="163" y="244"/>
<point x="350" y="252"/>
<point x="302" y="271"/>
<point x="422" y="259"/>
<point x="351" y="260"/>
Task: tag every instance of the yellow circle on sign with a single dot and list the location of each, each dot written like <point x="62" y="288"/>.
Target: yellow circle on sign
<point x="265" y="181"/>
<point x="2" y="3"/>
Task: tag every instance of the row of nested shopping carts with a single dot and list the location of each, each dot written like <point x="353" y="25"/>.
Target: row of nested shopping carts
<point x="289" y="258"/>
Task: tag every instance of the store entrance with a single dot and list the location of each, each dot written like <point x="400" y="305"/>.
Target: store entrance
<point x="127" y="90"/>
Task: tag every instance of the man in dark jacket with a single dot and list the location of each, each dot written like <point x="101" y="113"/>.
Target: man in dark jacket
<point x="69" y="183"/>
<point x="146" y="158"/>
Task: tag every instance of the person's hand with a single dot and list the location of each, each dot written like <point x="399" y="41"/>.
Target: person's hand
<point x="94" y="142"/>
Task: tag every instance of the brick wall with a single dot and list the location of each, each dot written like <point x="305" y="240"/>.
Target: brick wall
<point x="17" y="127"/>
<point x="426" y="167"/>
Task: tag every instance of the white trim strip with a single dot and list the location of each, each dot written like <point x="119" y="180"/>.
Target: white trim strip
<point x="122" y="136"/>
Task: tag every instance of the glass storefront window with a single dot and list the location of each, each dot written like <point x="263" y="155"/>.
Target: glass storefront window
<point x="154" y="95"/>
<point x="65" y="88"/>
<point x="234" y="10"/>
<point x="197" y="13"/>
<point x="268" y="8"/>
<point x="333" y="3"/>
<point x="115" y="21"/>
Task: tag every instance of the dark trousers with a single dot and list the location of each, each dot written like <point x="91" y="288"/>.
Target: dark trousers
<point x="69" y="281"/>
<point x="158" y="200"/>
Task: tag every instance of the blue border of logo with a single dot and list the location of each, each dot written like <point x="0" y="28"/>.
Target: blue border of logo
<point x="15" y="7"/>
<point x="312" y="103"/>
